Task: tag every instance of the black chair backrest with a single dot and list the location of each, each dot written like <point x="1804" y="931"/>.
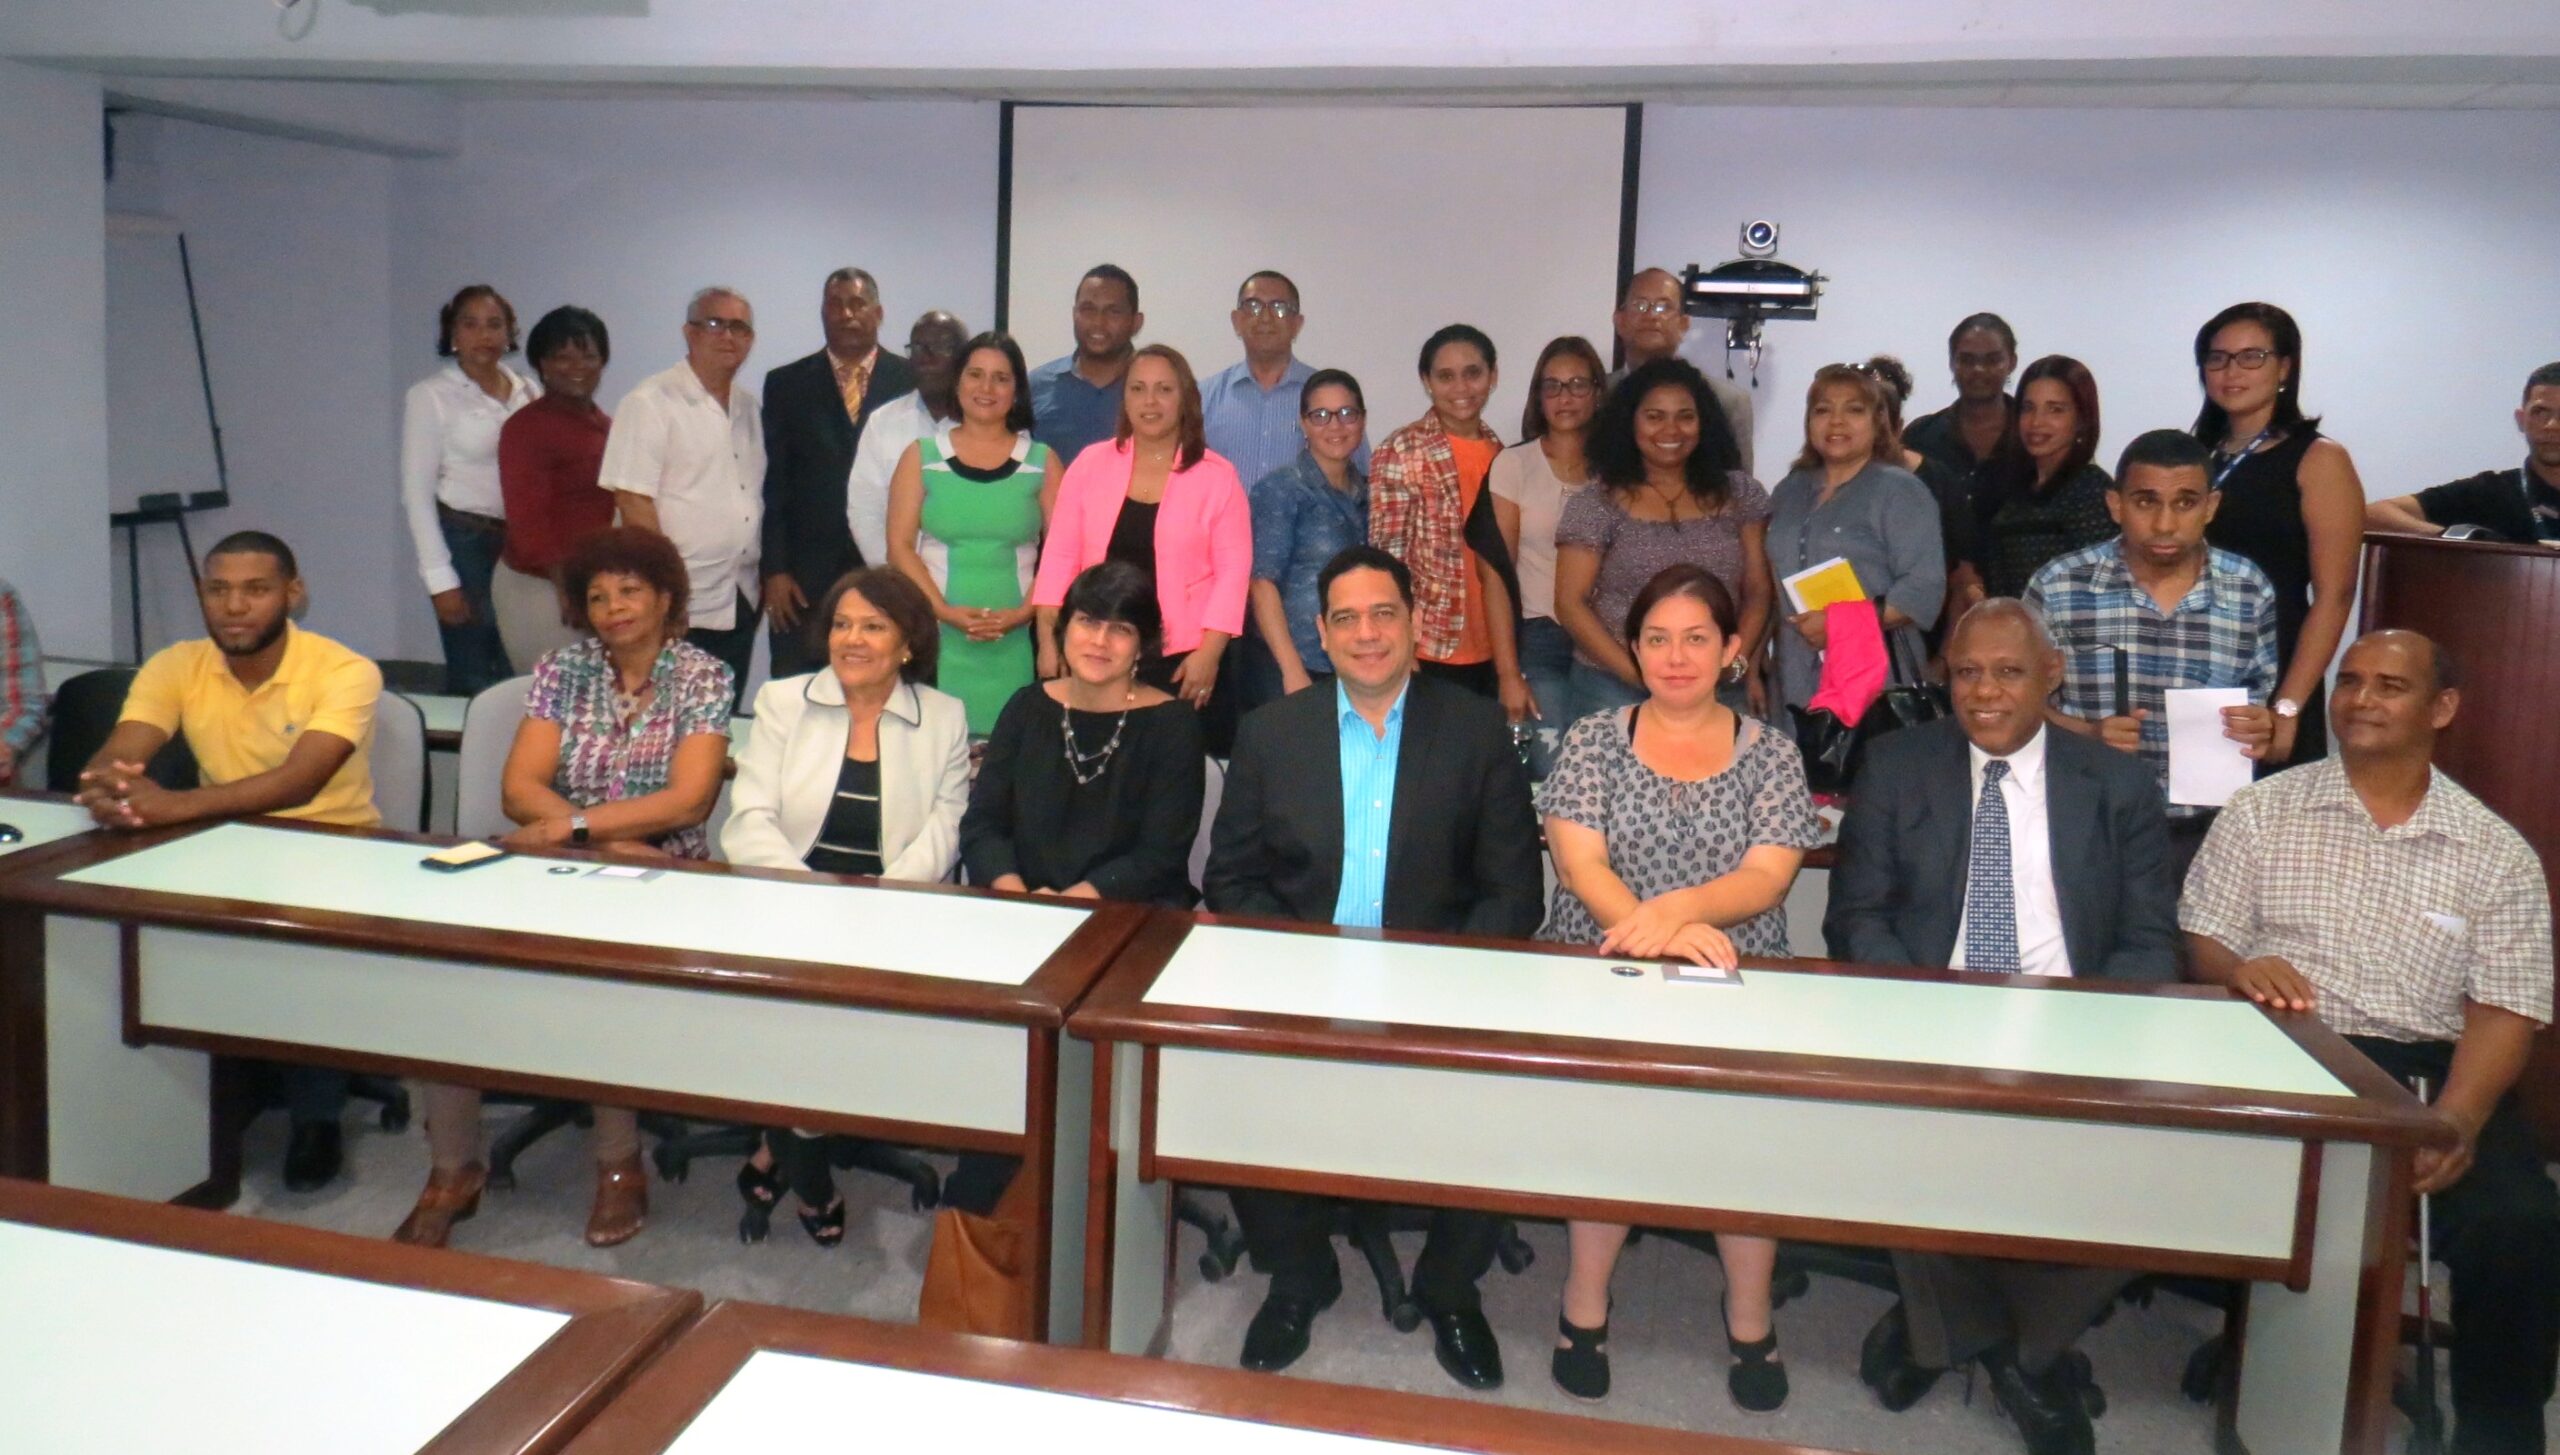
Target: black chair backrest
<point x="85" y="711"/>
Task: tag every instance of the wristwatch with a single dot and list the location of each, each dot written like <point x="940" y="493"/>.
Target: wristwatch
<point x="578" y="830"/>
<point x="2287" y="708"/>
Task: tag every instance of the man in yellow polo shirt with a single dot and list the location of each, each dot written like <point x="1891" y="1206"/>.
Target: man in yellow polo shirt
<point x="281" y="722"/>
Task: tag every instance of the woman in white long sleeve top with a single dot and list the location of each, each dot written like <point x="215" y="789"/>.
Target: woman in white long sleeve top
<point x="449" y="478"/>
<point x="860" y="768"/>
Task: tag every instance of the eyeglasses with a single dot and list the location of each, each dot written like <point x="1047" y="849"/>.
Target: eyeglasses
<point x="1981" y="361"/>
<point x="1276" y="307"/>
<point x="920" y="350"/>
<point x="1347" y="414"/>
<point x="2252" y="360"/>
<point x="1578" y="387"/>
<point x="738" y="327"/>
<point x="1652" y="307"/>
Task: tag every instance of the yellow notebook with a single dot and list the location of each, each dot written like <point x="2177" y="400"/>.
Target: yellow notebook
<point x="1816" y="587"/>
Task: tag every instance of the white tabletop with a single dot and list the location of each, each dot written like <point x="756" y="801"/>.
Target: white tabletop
<point x="41" y="821"/>
<point x="956" y="937"/>
<point x="444" y="713"/>
<point x="2177" y="1039"/>
<point x="774" y="1401"/>
<point x="111" y="1348"/>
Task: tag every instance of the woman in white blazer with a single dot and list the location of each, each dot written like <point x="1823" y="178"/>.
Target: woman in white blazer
<point x="860" y="768"/>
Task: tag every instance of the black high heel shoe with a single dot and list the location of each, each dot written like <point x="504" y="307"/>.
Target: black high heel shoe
<point x="761" y="1189"/>
<point x="1581" y="1367"/>
<point x="1757" y="1381"/>
<point x="825" y="1226"/>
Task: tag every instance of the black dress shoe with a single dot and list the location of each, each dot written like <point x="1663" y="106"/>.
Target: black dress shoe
<point x="1278" y="1333"/>
<point x="2047" y="1411"/>
<point x="1465" y="1346"/>
<point x="1886" y="1365"/>
<point x="312" y="1157"/>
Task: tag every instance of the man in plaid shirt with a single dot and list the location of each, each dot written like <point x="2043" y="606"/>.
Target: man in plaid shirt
<point x="2174" y="611"/>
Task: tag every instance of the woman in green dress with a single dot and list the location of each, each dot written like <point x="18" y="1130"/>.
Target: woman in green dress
<point x="966" y="509"/>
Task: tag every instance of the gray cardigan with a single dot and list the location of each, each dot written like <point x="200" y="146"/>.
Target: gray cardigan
<point x="1884" y="522"/>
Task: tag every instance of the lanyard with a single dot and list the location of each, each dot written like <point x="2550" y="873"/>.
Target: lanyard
<point x="2246" y="451"/>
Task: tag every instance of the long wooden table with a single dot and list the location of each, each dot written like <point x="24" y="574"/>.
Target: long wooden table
<point x="907" y="1013"/>
<point x="2169" y="1128"/>
<point x="131" y="1327"/>
<point x="753" y="1378"/>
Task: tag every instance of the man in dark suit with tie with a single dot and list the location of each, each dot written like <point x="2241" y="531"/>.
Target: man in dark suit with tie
<point x="1991" y="843"/>
<point x="814" y="410"/>
<point x="1375" y="798"/>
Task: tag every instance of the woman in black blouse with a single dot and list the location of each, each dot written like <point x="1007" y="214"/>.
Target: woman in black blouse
<point x="1090" y="787"/>
<point x="2048" y="494"/>
<point x="1091" y="783"/>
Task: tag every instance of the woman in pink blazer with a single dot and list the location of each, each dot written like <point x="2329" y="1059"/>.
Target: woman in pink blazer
<point x="1155" y="496"/>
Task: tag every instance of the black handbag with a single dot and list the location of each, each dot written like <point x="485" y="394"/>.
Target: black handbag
<point x="1834" y="750"/>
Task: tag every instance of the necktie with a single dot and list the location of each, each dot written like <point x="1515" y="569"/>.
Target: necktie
<point x="857" y="381"/>
<point x="1991" y="901"/>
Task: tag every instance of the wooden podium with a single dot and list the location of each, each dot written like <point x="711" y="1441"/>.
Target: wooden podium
<point x="2496" y="608"/>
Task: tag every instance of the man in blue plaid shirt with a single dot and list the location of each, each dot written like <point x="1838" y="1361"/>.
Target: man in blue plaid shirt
<point x="2178" y="613"/>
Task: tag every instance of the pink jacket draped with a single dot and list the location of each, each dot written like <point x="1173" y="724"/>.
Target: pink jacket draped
<point x="1204" y="540"/>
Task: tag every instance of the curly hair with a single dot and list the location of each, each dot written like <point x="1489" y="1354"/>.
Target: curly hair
<point x="626" y="550"/>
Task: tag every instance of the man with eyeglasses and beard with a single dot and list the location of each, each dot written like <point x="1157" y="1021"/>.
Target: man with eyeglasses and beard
<point x="280" y="721"/>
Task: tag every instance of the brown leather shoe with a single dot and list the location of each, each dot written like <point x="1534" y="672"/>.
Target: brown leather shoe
<point x="622" y="1204"/>
<point x="449" y="1198"/>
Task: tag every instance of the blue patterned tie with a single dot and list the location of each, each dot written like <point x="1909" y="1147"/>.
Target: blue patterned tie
<point x="1991" y="902"/>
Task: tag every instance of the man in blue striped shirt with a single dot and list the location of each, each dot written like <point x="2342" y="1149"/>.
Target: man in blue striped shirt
<point x="1427" y="827"/>
<point x="2172" y="611"/>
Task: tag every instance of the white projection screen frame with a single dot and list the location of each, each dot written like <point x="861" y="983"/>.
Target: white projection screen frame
<point x="1391" y="220"/>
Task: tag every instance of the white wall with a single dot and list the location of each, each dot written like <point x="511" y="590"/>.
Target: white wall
<point x="53" y="388"/>
<point x="290" y="243"/>
<point x="627" y="206"/>
<point x="2415" y="249"/>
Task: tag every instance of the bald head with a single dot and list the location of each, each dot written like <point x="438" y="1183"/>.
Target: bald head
<point x="2396" y="690"/>
<point x="933" y="347"/>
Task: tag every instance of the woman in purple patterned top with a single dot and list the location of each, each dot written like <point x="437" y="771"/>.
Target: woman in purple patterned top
<point x="624" y="737"/>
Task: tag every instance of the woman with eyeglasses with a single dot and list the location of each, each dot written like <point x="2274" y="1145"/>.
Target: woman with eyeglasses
<point x="1530" y="482"/>
<point x="2290" y="501"/>
<point x="1303" y="513"/>
<point x="1429" y="509"/>
<point x="970" y="499"/>
<point x="1671" y="493"/>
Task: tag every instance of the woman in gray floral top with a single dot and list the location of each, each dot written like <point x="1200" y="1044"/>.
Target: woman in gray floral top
<point x="1677" y="825"/>
<point x="625" y="735"/>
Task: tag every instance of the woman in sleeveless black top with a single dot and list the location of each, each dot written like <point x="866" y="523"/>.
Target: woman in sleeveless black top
<point x="2289" y="500"/>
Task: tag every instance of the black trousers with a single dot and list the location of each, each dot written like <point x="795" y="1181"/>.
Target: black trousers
<point x="2498" y="1232"/>
<point x="1290" y="1236"/>
<point x="2186" y="837"/>
<point x="1479" y="678"/>
<point x="1958" y="1307"/>
<point x="734" y="644"/>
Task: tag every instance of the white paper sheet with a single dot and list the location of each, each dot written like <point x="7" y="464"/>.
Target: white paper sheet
<point x="2205" y="767"/>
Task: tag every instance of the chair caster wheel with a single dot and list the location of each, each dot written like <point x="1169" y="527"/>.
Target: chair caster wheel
<point x="1406" y="1316"/>
<point x="1515" y="1255"/>
<point x="753" y="1224"/>
<point x="503" y="1178"/>
<point x="2204" y="1372"/>
<point x="1789" y="1285"/>
<point x="1211" y="1270"/>
<point x="672" y="1165"/>
<point x="395" y="1117"/>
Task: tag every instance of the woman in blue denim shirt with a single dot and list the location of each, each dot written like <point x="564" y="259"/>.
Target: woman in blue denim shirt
<point x="1303" y="513"/>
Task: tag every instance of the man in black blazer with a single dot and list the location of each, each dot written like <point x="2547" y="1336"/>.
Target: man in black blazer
<point x="1993" y="842"/>
<point x="1376" y="798"/>
<point x="811" y="429"/>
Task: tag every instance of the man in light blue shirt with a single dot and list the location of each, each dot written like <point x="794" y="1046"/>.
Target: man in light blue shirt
<point x="1250" y="408"/>
<point x="1431" y="830"/>
<point x="1075" y="399"/>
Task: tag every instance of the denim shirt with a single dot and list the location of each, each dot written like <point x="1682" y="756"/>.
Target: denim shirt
<point x="1299" y="522"/>
<point x="1257" y="428"/>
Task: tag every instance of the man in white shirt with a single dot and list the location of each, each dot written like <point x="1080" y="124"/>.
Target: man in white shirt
<point x="1994" y="843"/>
<point x="933" y="351"/>
<point x="685" y="458"/>
<point x="1651" y="323"/>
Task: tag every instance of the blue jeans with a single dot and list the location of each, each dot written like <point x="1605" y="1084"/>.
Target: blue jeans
<point x="1546" y="660"/>
<point x="474" y="657"/>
